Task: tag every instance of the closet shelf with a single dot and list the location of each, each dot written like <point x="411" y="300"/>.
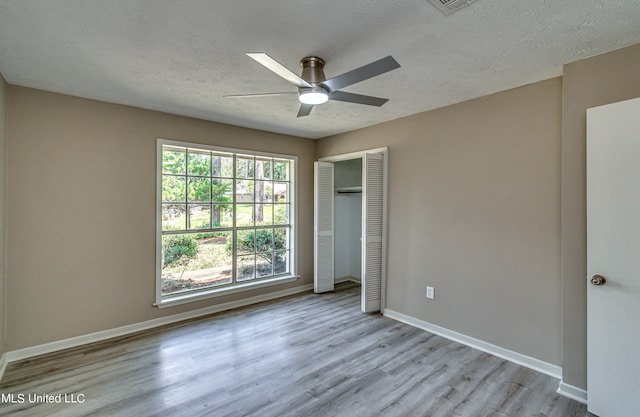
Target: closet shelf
<point x="348" y="190"/>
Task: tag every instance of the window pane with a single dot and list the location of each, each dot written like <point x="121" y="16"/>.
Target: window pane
<point x="281" y="214"/>
<point x="199" y="216"/>
<point x="246" y="267"/>
<point x="245" y="242"/>
<point x="199" y="190"/>
<point x="174" y="217"/>
<point x="173" y="188"/>
<point x="263" y="169"/>
<point x="244" y="167"/>
<point x="244" y="215"/>
<point x="221" y="215"/>
<point x="280" y="262"/>
<point x="281" y="192"/>
<point x="263" y="214"/>
<point x="244" y="191"/>
<point x="195" y="261"/>
<point x="281" y="170"/>
<point x="264" y="264"/>
<point x="199" y="163"/>
<point x="263" y="191"/>
<point x="222" y="165"/>
<point x="173" y="160"/>
<point x="264" y="240"/>
<point x="280" y="239"/>
<point x="222" y="190"/>
<point x="268" y="191"/>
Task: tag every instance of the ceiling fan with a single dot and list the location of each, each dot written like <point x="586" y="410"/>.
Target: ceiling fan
<point x="314" y="88"/>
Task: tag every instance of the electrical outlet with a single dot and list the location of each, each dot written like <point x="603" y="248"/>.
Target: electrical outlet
<point x="430" y="293"/>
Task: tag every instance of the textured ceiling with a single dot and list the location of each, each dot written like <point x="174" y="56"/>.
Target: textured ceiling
<point x="183" y="56"/>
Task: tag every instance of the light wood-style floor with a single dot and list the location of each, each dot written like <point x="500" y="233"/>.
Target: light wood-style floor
<point x="306" y="355"/>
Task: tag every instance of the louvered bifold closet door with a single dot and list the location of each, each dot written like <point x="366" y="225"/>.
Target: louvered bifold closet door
<point x="323" y="227"/>
<point x="373" y="232"/>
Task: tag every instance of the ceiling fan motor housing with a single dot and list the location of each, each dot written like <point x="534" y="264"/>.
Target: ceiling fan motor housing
<point x="312" y="70"/>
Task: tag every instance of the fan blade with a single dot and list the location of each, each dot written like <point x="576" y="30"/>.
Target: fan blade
<point x="305" y="109"/>
<point x="278" y="68"/>
<point x="259" y="95"/>
<point x="357" y="98"/>
<point x="360" y="74"/>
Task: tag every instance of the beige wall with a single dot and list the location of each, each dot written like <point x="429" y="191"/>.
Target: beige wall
<point x="474" y="210"/>
<point x="604" y="79"/>
<point x="81" y="229"/>
<point x="3" y="178"/>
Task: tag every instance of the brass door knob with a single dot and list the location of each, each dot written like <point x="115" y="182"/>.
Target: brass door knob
<point x="598" y="280"/>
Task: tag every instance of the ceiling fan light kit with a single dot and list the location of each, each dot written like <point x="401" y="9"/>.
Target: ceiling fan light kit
<point x="314" y="88"/>
<point x="315" y="95"/>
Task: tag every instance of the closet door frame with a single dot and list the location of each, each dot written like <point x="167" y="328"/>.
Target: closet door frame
<point x="361" y="155"/>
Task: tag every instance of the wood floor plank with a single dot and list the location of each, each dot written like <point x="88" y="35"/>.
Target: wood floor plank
<point x="305" y="355"/>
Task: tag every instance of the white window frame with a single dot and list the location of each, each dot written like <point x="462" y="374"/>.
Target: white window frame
<point x="196" y="295"/>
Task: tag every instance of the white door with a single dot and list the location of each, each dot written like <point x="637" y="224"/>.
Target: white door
<point x="373" y="231"/>
<point x="613" y="251"/>
<point x="323" y="275"/>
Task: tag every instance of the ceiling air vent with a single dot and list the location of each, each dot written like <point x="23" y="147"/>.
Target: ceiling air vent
<point x="450" y="6"/>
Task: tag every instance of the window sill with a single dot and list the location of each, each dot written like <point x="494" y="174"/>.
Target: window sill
<point x="218" y="292"/>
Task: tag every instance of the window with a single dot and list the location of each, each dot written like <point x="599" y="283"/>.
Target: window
<point x="226" y="220"/>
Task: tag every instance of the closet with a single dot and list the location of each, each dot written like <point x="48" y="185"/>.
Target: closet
<point x="348" y="220"/>
<point x="350" y="224"/>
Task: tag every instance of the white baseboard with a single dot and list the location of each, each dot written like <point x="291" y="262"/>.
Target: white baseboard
<point x="347" y="279"/>
<point x="572" y="392"/>
<point x="515" y="357"/>
<point x="29" y="352"/>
